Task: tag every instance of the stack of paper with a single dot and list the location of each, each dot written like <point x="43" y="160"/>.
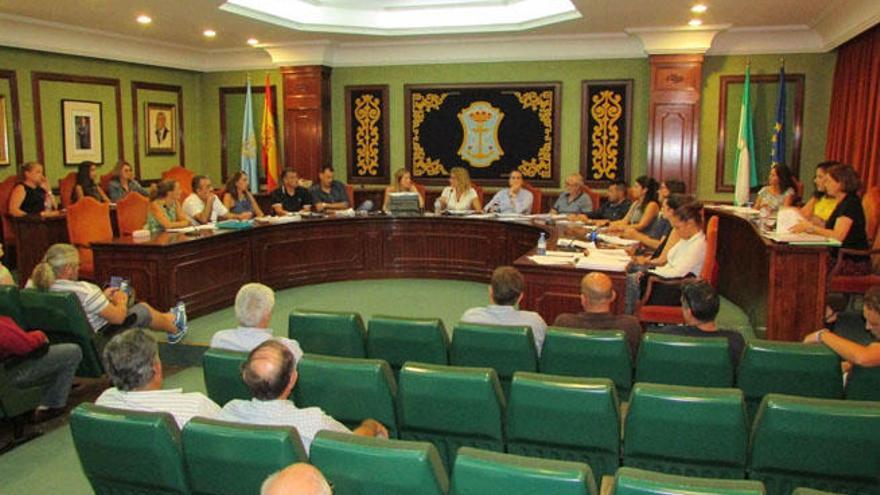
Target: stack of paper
<point x="610" y="260"/>
<point x="803" y="239"/>
<point x="617" y="241"/>
<point x="282" y="219"/>
<point x="193" y="228"/>
<point x="553" y="258"/>
<point x="566" y="242"/>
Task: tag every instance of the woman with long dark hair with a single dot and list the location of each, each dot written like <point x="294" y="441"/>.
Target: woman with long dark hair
<point x="820" y="206"/>
<point x="644" y="211"/>
<point x="779" y="190"/>
<point x="238" y="199"/>
<point x="87" y="185"/>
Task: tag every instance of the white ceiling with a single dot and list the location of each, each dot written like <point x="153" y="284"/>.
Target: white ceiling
<point x="606" y="29"/>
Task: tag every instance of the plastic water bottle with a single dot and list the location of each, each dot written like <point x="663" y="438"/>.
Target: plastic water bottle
<point x="594" y="235"/>
<point x="542" y="244"/>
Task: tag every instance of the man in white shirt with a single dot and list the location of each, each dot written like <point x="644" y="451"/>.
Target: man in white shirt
<point x="270" y="374"/>
<point x="513" y="199"/>
<point x="203" y="206"/>
<point x="253" y="308"/>
<point x="505" y="292"/>
<point x="132" y="362"/>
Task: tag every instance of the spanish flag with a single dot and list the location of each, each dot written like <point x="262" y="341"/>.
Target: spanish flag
<point x="267" y="140"/>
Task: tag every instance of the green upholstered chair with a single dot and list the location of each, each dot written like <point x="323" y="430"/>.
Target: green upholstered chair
<point x="451" y="407"/>
<point x="10" y="304"/>
<point x="678" y="360"/>
<point x="231" y="459"/>
<point x="15" y="403"/>
<point x="589" y="353"/>
<point x="328" y="332"/>
<point x="348" y="389"/>
<point x="222" y="371"/>
<point x="60" y="316"/>
<point x="506" y="349"/>
<point x="863" y="384"/>
<point x="566" y="418"/>
<point x="398" y="340"/>
<point x="129" y="452"/>
<point x="632" y="481"/>
<point x="809" y="491"/>
<point x="361" y="465"/>
<point x="478" y="472"/>
<point x="826" y="444"/>
<point x="788" y="368"/>
<point x="690" y="431"/>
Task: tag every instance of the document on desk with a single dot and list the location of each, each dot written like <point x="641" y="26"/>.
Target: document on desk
<point x="569" y="259"/>
<point x="192" y="228"/>
<point x="617" y="241"/>
<point x="802" y="239"/>
<point x="274" y="220"/>
<point x="480" y="216"/>
<point x="739" y="210"/>
<point x="566" y="242"/>
<point x="598" y="261"/>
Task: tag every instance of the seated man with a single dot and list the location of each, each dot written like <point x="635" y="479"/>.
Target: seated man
<point x="290" y="197"/>
<point x="30" y="360"/>
<point x="253" y="308"/>
<point x="270" y="374"/>
<point x="597" y="296"/>
<point x="866" y="356"/>
<point x="513" y="199"/>
<point x="505" y="292"/>
<point x="203" y="206"/>
<point x="573" y="199"/>
<point x="699" y="306"/>
<point x="299" y="478"/>
<point x="329" y="194"/>
<point x="132" y="362"/>
<point x="615" y="206"/>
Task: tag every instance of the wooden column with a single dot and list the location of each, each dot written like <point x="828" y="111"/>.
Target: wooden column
<point x="674" y="113"/>
<point x="307" y="118"/>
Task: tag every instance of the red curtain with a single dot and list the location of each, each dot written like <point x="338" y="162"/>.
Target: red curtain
<point x="854" y="120"/>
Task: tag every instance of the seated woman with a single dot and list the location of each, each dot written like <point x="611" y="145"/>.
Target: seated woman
<point x="685" y="258"/>
<point x="659" y="231"/>
<point x="820" y="205"/>
<point x="779" y="190"/>
<point x="573" y="200"/>
<point x="165" y="211"/>
<point x="32" y="194"/>
<point x="86" y="185"/>
<point x="458" y="195"/>
<point x="108" y="311"/>
<point x="239" y="200"/>
<point x="643" y="213"/>
<point x="5" y="276"/>
<point x="123" y="182"/>
<point x="654" y="250"/>
<point x="852" y="353"/>
<point x="402" y="183"/>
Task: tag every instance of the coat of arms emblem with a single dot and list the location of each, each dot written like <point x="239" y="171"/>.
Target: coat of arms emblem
<point x="479" y="123"/>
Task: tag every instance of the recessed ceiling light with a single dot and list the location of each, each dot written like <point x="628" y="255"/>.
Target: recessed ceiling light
<point x="699" y="8"/>
<point x="695" y="23"/>
<point x="209" y="33"/>
<point x="252" y="41"/>
<point x="144" y="19"/>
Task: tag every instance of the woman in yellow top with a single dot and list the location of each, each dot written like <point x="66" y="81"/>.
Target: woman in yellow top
<point x="402" y="183"/>
<point x="821" y="205"/>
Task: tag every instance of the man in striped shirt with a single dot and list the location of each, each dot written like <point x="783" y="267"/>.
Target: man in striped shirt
<point x="132" y="362"/>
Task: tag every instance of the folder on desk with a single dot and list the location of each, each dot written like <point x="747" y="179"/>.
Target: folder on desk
<point x="235" y="224"/>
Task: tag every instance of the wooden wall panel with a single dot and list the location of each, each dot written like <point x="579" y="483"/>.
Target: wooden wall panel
<point x="307" y="118"/>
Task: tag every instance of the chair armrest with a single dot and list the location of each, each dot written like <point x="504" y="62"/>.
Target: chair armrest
<point x="656" y="279"/>
<point x="847" y="251"/>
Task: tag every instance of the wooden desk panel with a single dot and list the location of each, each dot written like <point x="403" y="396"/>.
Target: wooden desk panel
<point x="33" y="236"/>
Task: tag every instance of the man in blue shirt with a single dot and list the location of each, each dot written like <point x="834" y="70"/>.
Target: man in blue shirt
<point x="513" y="199"/>
<point x="574" y="199"/>
<point x="615" y="206"/>
<point x="329" y="194"/>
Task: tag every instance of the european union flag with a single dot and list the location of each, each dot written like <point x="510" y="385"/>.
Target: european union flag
<point x="777" y="149"/>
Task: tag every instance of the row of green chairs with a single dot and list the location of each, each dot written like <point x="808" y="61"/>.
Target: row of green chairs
<point x="766" y="366"/>
<point x="60" y="316"/>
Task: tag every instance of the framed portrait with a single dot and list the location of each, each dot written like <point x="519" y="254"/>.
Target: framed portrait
<point x="161" y="128"/>
<point x="83" y="138"/>
<point x="4" y="133"/>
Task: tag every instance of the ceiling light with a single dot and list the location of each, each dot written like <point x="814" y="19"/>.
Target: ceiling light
<point x="699" y="8"/>
<point x="144" y="19"/>
<point x="209" y="33"/>
<point x="695" y="23"/>
<point x="253" y="41"/>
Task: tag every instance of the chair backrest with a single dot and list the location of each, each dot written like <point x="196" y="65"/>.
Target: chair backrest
<point x="588" y="353"/>
<point x="678" y="360"/>
<point x="863" y="384"/>
<point x="788" y="368"/>
<point x="349" y="190"/>
<point x="398" y="340"/>
<point x="6" y="188"/>
<point x="15" y="399"/>
<point x="61" y="317"/>
<point x="632" y="481"/>
<point x="10" y="304"/>
<point x="222" y="371"/>
<point x="537" y="197"/>
<point x="479" y="190"/>
<point x="451" y="407"/>
<point x="65" y="188"/>
<point x="131" y="212"/>
<point x="422" y="191"/>
<point x="566" y="418"/>
<point x="127" y="451"/>
<point x="104" y="181"/>
<point x="232" y="458"/>
<point x="328" y="332"/>
<point x="357" y="464"/>
<point x="183" y="176"/>
<point x="595" y="197"/>
<point x="349" y="389"/>
<point x="506" y="349"/>
<point x="825" y="444"/>
<point x="871" y="205"/>
<point x="478" y="472"/>
<point x="686" y="430"/>
<point x="88" y="220"/>
<point x="710" y="265"/>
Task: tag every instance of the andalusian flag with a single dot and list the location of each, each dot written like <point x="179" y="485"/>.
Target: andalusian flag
<point x="267" y="135"/>
<point x="746" y="177"/>
<point x="777" y="141"/>
<point x="249" y="143"/>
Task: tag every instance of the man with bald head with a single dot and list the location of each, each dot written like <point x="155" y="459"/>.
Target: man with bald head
<point x="270" y="375"/>
<point x="597" y="296"/>
<point x="299" y="479"/>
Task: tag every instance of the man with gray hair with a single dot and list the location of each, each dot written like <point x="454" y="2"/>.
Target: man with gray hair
<point x="132" y="362"/>
<point x="299" y="478"/>
<point x="253" y="309"/>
